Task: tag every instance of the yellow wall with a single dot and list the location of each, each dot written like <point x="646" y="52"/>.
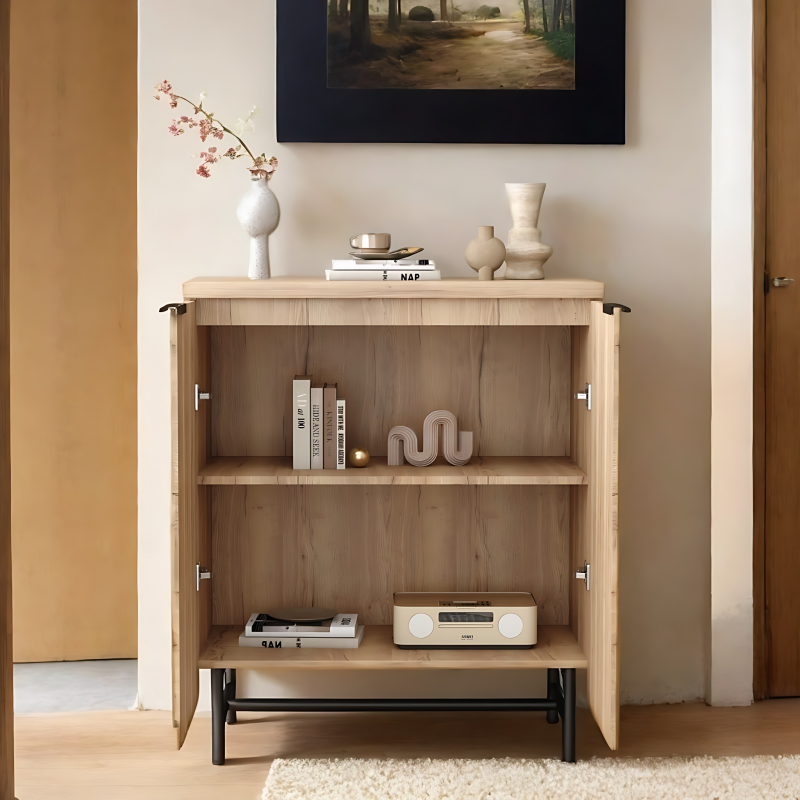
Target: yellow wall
<point x="73" y="328"/>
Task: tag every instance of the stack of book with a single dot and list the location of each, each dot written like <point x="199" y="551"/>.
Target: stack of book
<point x="341" y="631"/>
<point x="318" y="426"/>
<point x="353" y="270"/>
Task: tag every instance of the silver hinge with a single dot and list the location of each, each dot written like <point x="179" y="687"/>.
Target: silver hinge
<point x="202" y="575"/>
<point x="198" y="396"/>
<point x="782" y="283"/>
<point x="583" y="575"/>
<point x="587" y="396"/>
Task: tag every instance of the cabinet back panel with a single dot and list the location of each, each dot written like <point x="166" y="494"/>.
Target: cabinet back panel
<point x="351" y="547"/>
<point x="510" y="386"/>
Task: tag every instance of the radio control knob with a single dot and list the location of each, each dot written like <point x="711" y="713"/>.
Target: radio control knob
<point x="510" y="625"/>
<point x="421" y="625"/>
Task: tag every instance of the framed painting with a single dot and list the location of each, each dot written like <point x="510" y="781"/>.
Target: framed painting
<point x="507" y="72"/>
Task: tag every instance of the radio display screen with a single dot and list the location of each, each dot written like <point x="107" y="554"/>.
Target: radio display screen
<point x="462" y="616"/>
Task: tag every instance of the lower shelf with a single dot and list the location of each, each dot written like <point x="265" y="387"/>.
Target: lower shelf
<point x="481" y="471"/>
<point x="557" y="648"/>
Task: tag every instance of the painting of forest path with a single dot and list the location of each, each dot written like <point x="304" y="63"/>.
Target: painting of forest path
<point x="393" y="44"/>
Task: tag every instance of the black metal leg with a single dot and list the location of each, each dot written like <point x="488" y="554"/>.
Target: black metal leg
<point x="218" y="710"/>
<point x="553" y="692"/>
<point x="568" y="717"/>
<point x="230" y="694"/>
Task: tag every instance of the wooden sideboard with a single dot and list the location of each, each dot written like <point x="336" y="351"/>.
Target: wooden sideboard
<point x="537" y="501"/>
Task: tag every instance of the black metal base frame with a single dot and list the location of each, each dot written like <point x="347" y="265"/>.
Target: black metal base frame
<point x="560" y="702"/>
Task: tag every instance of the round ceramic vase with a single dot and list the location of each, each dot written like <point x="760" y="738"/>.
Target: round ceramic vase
<point x="259" y="214"/>
<point x="525" y="253"/>
<point x="485" y="254"/>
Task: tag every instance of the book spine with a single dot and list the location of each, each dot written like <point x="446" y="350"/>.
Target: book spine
<point x="382" y="265"/>
<point x="301" y="438"/>
<point x="383" y="275"/>
<point x="316" y="427"/>
<point x="329" y="427"/>
<point x="272" y="642"/>
<point x="340" y="434"/>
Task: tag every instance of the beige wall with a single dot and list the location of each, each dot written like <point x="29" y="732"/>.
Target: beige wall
<point x="636" y="217"/>
<point x="73" y="328"/>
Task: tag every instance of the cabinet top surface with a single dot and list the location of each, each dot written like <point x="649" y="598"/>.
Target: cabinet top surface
<point x="458" y="288"/>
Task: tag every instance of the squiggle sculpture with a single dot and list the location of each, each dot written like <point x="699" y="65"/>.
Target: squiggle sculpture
<point x="403" y="442"/>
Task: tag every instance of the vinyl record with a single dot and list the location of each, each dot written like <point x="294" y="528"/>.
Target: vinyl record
<point x="302" y="614"/>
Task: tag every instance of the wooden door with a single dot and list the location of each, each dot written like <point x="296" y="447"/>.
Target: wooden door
<point x="191" y="607"/>
<point x="73" y="256"/>
<point x="782" y="498"/>
<point x="594" y="517"/>
<point x="6" y="667"/>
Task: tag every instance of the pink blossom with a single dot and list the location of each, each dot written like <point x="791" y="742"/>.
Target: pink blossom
<point x="212" y="149"/>
<point x="174" y="129"/>
<point x="203" y="172"/>
<point x="206" y="129"/>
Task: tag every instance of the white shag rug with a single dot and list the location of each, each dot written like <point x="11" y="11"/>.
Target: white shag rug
<point x="702" y="778"/>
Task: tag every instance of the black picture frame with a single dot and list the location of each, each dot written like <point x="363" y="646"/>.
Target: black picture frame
<point x="592" y="113"/>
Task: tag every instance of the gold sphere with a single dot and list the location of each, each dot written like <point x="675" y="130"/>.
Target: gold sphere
<point x="359" y="457"/>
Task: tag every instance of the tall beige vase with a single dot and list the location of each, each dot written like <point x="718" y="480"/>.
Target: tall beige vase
<point x="525" y="253"/>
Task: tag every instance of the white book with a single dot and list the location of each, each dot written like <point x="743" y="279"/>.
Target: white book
<point x="316" y="427"/>
<point x="341" y="454"/>
<point x="304" y="642"/>
<point x="340" y="626"/>
<point x="301" y="422"/>
<point x="383" y="275"/>
<point x="407" y="263"/>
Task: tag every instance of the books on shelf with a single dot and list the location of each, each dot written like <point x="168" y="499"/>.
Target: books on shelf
<point x="329" y="426"/>
<point x="341" y="454"/>
<point x="281" y="642"/>
<point x="351" y="265"/>
<point x="301" y="422"/>
<point x="383" y="275"/>
<point x="341" y="625"/>
<point x="316" y="426"/>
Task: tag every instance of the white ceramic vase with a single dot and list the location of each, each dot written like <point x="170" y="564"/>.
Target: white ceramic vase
<point x="259" y="214"/>
<point x="525" y="253"/>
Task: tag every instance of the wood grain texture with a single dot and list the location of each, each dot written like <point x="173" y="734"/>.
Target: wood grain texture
<point x="6" y="614"/>
<point x="508" y="385"/>
<point x="74" y="279"/>
<point x="760" y="683"/>
<point x="488" y="471"/>
<point x="352" y="547"/>
<point x="557" y="648"/>
<point x="191" y="610"/>
<point x="119" y="755"/>
<point x="457" y="288"/>
<point x="782" y="552"/>
<point x="594" y="514"/>
<point x="392" y="311"/>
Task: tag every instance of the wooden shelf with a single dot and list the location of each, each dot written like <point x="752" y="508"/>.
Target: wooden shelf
<point x="488" y="471"/>
<point x="557" y="648"/>
<point x="318" y="287"/>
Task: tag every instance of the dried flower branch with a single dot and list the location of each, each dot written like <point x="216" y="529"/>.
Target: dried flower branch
<point x="208" y="126"/>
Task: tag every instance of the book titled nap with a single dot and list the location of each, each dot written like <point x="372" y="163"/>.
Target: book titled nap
<point x="301" y="422"/>
<point x="303" y="642"/>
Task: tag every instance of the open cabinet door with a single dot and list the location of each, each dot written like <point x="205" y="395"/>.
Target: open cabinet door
<point x="594" y="517"/>
<point x="191" y="607"/>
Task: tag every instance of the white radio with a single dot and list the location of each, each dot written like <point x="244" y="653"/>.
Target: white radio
<point x="476" y="620"/>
